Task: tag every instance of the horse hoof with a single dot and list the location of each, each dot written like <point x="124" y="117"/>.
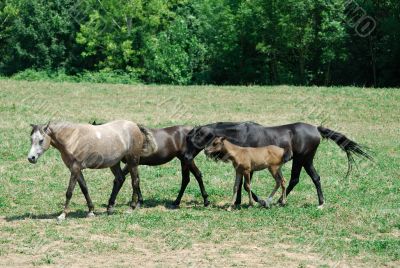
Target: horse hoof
<point x="268" y="203"/>
<point x="173" y="206"/>
<point x="262" y="203"/>
<point x="110" y="210"/>
<point x="206" y="203"/>
<point x="90" y="214"/>
<point x="61" y="217"/>
<point x="320" y="206"/>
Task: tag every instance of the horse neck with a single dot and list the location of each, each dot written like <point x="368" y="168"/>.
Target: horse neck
<point x="58" y="134"/>
<point x="229" y="149"/>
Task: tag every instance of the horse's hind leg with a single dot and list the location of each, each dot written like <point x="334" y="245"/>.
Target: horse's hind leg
<point x="309" y="167"/>
<point x="119" y="180"/>
<point x="85" y="191"/>
<point x="197" y="174"/>
<point x="68" y="195"/>
<point x="295" y="175"/>
<point x="283" y="187"/>
<point x="275" y="173"/>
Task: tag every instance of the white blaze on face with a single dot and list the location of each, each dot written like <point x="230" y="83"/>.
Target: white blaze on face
<point x="37" y="140"/>
<point x="98" y="135"/>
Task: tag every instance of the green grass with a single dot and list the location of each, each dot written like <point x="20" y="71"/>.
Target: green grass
<point x="359" y="226"/>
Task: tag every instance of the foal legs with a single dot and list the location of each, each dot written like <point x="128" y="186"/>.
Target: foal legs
<point x="247" y="179"/>
<point x="235" y="189"/>
<point x="255" y="197"/>
<point x="68" y="195"/>
<point x="85" y="191"/>
<point x="275" y="173"/>
<point x="283" y="187"/>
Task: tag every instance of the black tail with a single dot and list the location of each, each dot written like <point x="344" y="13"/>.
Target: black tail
<point x="350" y="147"/>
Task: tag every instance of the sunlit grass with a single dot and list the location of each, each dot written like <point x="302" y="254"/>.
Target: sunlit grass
<point x="358" y="226"/>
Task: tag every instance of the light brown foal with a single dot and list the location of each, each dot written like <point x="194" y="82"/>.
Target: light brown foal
<point x="248" y="159"/>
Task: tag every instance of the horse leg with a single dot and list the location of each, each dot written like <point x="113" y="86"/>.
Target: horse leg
<point x="239" y="194"/>
<point x="295" y="175"/>
<point x="309" y="167"/>
<point x="119" y="180"/>
<point x="136" y="203"/>
<point x="68" y="195"/>
<point x="255" y="197"/>
<point x="275" y="174"/>
<point x="125" y="170"/>
<point x="133" y="170"/>
<point x="283" y="187"/>
<point x="85" y="191"/>
<point x="248" y="186"/>
<point x="185" y="181"/>
<point x="235" y="189"/>
<point x="197" y="174"/>
<point x="140" y="197"/>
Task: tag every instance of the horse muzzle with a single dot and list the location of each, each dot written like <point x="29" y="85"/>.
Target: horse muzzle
<point x="32" y="159"/>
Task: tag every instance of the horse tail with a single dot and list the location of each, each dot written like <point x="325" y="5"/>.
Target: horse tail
<point x="149" y="144"/>
<point x="351" y="148"/>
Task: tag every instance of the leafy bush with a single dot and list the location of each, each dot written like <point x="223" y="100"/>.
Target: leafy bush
<point x="111" y="77"/>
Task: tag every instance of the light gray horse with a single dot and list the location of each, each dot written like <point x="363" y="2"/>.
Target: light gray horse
<point x="95" y="147"/>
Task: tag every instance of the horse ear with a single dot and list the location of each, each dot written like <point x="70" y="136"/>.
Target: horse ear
<point x="46" y="128"/>
<point x="32" y="125"/>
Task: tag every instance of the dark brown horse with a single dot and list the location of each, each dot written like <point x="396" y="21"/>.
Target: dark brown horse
<point x="171" y="143"/>
<point x="300" y="138"/>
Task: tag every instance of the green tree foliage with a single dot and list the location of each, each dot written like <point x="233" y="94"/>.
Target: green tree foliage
<point x="206" y="41"/>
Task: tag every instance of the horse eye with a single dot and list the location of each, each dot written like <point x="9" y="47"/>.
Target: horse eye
<point x="40" y="142"/>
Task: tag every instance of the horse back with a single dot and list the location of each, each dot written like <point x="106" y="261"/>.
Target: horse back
<point x="171" y="143"/>
<point x="301" y="138"/>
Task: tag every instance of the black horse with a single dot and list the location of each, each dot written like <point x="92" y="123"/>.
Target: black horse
<point x="302" y="139"/>
<point x="171" y="143"/>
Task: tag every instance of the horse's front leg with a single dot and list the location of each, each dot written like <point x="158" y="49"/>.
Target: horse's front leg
<point x="136" y="193"/>
<point x="235" y="189"/>
<point x="68" y="195"/>
<point x="248" y="187"/>
<point x="85" y="191"/>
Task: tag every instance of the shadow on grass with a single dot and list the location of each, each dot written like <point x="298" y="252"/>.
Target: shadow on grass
<point x="51" y="216"/>
<point x="147" y="203"/>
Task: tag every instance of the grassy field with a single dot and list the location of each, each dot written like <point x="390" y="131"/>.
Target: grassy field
<point x="359" y="225"/>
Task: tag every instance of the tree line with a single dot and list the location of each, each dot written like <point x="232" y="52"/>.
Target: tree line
<point x="301" y="42"/>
